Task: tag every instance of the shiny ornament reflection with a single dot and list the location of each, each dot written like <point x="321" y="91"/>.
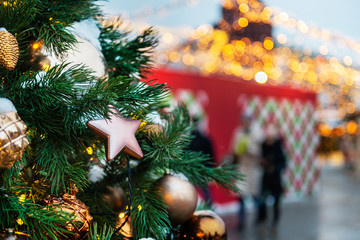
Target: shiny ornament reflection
<point x="204" y="225"/>
<point x="126" y="229"/>
<point x="68" y="203"/>
<point x="13" y="139"/>
<point x="180" y="196"/>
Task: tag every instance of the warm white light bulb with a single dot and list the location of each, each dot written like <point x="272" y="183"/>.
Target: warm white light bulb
<point x="261" y="77"/>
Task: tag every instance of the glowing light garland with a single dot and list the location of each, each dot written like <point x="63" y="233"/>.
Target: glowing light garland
<point x="208" y="51"/>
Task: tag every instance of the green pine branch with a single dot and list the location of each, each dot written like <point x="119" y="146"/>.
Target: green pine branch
<point x="169" y="150"/>
<point x="54" y="19"/>
<point x="142" y="98"/>
<point x="171" y="143"/>
<point x="46" y="20"/>
<point x="40" y="222"/>
<point x="105" y="233"/>
<point x="56" y="106"/>
<point x="125" y="55"/>
<point x="92" y="196"/>
<point x="149" y="212"/>
<point x="193" y="165"/>
<point x="16" y="16"/>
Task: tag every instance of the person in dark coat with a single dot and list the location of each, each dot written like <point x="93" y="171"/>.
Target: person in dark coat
<point x="203" y="143"/>
<point x="273" y="163"/>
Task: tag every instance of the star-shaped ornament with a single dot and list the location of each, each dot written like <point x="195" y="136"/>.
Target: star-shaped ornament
<point x="119" y="133"/>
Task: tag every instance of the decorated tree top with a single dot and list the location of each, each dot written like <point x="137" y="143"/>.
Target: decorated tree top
<point x="250" y="19"/>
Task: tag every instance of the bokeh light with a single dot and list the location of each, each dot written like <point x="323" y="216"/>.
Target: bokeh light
<point x="282" y="39"/>
<point x="243" y="22"/>
<point x="261" y="77"/>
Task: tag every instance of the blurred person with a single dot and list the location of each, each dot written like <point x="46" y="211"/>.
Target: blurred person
<point x="273" y="163"/>
<point x="202" y="143"/>
<point x="246" y="153"/>
<point x="346" y="146"/>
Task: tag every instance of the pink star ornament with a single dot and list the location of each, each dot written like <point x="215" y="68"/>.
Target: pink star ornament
<point x="119" y="133"/>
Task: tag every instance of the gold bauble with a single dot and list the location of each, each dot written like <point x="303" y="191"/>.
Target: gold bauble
<point x="80" y="224"/>
<point x="9" y="50"/>
<point x="127" y="229"/>
<point x="13" y="139"/>
<point x="116" y="198"/>
<point x="180" y="196"/>
<point x="204" y="225"/>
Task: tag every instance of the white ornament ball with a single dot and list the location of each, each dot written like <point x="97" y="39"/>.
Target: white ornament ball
<point x="6" y="106"/>
<point x="87" y="50"/>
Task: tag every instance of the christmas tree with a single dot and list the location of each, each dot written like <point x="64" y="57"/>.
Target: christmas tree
<point x="83" y="154"/>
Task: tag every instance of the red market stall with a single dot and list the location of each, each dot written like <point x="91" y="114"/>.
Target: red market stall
<point x="221" y="100"/>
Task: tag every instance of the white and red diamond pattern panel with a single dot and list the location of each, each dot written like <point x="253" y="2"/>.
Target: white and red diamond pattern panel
<point x="295" y="120"/>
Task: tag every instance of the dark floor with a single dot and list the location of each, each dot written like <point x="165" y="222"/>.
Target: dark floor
<point x="332" y="214"/>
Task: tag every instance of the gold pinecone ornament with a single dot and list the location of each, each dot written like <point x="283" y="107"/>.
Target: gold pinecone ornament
<point x="9" y="50"/>
<point x="13" y="138"/>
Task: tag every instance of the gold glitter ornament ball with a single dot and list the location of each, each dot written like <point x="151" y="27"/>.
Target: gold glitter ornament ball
<point x="204" y="225"/>
<point x="80" y="224"/>
<point x="9" y="50"/>
<point x="180" y="196"/>
<point x="13" y="139"/>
